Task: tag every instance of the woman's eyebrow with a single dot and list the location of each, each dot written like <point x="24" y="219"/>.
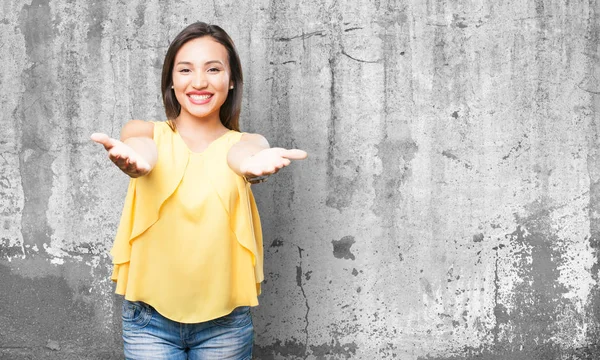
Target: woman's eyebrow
<point x="206" y="63"/>
<point x="213" y="62"/>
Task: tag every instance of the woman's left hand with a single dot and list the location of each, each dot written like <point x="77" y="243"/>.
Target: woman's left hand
<point x="269" y="161"/>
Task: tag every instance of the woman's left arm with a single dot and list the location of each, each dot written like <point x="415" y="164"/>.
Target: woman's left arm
<point x="252" y="157"/>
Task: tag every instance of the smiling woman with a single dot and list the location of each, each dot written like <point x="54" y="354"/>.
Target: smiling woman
<point x="201" y="83"/>
<point x="230" y="109"/>
<point x="188" y="252"/>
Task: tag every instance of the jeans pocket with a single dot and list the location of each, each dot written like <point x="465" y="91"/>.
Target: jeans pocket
<point x="136" y="315"/>
<point x="239" y="317"/>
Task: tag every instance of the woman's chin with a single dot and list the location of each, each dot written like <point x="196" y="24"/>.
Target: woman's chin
<point x="204" y="117"/>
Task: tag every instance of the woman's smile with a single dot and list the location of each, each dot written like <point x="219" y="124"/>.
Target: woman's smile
<point x="199" y="97"/>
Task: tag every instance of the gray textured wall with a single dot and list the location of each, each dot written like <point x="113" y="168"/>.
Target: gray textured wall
<point x="450" y="207"/>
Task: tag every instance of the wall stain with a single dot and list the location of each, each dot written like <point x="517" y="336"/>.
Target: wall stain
<point x="324" y="351"/>
<point x="396" y="149"/>
<point x="140" y="10"/>
<point x="526" y="330"/>
<point x="340" y="188"/>
<point x="278" y="242"/>
<point x="538" y="300"/>
<point x="32" y="306"/>
<point x="292" y="349"/>
<point x="342" y="173"/>
<point x="280" y="118"/>
<point x="289" y="349"/>
<point x="341" y="248"/>
<point x="451" y="156"/>
<point x="593" y="163"/>
<point x="516" y="149"/>
<point x="35" y="110"/>
<point x="97" y="14"/>
<point x="426" y="285"/>
<point x="459" y="21"/>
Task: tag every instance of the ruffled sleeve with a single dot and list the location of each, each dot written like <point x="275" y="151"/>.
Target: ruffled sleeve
<point x="245" y="223"/>
<point x="145" y="196"/>
<point x="241" y="207"/>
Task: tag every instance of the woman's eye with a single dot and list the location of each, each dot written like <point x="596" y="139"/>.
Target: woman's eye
<point x="184" y="70"/>
<point x="214" y="70"/>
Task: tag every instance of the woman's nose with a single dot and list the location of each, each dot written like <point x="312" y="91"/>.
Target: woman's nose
<point x="199" y="81"/>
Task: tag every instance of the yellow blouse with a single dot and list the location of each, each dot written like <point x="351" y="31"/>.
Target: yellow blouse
<point x="190" y="241"/>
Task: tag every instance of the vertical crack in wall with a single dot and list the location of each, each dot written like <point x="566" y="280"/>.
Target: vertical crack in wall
<point x="299" y="273"/>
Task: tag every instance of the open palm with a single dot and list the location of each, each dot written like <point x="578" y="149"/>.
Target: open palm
<point x="269" y="161"/>
<point x="122" y="155"/>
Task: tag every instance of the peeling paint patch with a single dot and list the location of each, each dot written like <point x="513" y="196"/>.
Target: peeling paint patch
<point x="289" y="349"/>
<point x="341" y="248"/>
<point x="53" y="345"/>
<point x="57" y="261"/>
<point x="31" y="307"/>
<point x="341" y="351"/>
<point x="538" y="299"/>
<point x="539" y="352"/>
<point x="277" y="243"/>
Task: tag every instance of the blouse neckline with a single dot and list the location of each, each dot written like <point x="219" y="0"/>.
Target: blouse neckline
<point x="178" y="135"/>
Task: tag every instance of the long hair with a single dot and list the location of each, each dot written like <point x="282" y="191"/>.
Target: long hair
<point x="230" y="110"/>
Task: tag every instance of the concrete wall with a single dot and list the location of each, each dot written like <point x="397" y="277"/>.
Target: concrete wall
<point x="450" y="207"/>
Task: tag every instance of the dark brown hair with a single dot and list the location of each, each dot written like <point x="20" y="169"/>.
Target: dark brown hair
<point x="230" y="110"/>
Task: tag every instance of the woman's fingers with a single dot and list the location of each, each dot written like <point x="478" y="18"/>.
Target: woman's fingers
<point x="293" y="154"/>
<point x="103" y="139"/>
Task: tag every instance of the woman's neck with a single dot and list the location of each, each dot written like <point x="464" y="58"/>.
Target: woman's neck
<point x="205" y="127"/>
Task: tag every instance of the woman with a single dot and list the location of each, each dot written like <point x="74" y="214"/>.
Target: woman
<point x="188" y="252"/>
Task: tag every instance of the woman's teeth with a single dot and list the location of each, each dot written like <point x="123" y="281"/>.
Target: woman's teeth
<point x="200" y="97"/>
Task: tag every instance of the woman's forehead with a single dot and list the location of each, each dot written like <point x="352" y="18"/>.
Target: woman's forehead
<point x="202" y="50"/>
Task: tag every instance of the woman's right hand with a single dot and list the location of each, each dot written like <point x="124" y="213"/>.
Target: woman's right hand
<point x="122" y="155"/>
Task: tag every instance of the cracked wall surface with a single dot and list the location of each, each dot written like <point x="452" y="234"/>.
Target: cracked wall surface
<point x="449" y="208"/>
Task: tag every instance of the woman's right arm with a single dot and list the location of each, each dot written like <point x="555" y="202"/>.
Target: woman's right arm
<point x="135" y="154"/>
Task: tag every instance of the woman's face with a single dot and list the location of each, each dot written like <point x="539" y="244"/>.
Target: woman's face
<point x="201" y="78"/>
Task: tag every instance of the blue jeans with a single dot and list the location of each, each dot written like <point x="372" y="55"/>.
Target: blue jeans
<point x="149" y="335"/>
